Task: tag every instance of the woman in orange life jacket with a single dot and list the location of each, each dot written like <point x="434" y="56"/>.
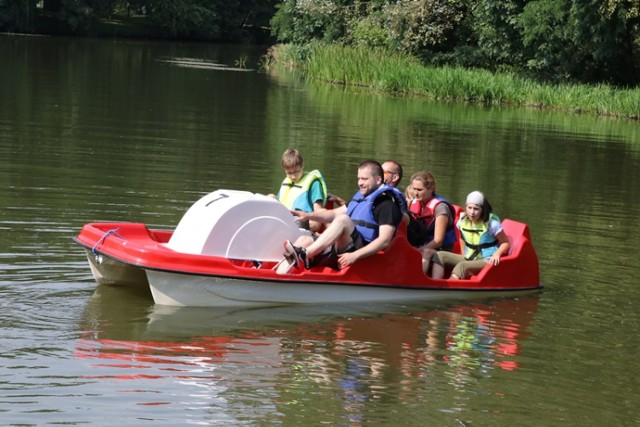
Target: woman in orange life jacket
<point x="436" y="231"/>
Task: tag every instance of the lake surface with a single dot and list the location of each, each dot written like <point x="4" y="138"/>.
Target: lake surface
<point x="94" y="130"/>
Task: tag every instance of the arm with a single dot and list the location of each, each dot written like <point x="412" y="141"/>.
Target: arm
<point x="336" y="199"/>
<point x="322" y="215"/>
<point x="389" y="216"/>
<point x="380" y="243"/>
<point x="316" y="226"/>
<point x="502" y="249"/>
<point x="439" y="232"/>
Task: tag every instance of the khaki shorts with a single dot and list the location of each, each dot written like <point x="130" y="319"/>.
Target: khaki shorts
<point x="461" y="267"/>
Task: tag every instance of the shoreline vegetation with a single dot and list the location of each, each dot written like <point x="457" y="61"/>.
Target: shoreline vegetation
<point x="380" y="71"/>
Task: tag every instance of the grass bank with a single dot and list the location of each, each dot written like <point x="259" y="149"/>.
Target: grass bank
<point x="381" y="71"/>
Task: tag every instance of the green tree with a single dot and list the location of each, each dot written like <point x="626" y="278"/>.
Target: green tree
<point x="188" y="18"/>
<point x="301" y="21"/>
<point x="557" y="40"/>
<point x="211" y="19"/>
<point x="547" y="39"/>
<point x="611" y="30"/>
<point x="497" y="33"/>
<point x="78" y="15"/>
<point x="245" y="19"/>
<point x="584" y="40"/>
<point x="422" y="25"/>
<point x="405" y="25"/>
<point x="17" y="15"/>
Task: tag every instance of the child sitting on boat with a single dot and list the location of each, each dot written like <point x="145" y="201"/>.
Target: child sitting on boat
<point x="482" y="241"/>
<point x="300" y="190"/>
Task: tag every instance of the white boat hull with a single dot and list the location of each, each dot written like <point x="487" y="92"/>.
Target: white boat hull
<point x="182" y="290"/>
<point x="107" y="271"/>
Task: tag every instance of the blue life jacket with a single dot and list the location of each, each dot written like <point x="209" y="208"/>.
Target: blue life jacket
<point x="360" y="210"/>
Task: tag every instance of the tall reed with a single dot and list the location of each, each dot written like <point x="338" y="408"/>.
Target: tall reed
<point x="384" y="71"/>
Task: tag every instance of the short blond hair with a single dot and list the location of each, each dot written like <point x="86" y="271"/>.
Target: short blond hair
<point x="292" y="158"/>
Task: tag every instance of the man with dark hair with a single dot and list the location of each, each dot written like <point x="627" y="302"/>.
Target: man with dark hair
<point x="358" y="230"/>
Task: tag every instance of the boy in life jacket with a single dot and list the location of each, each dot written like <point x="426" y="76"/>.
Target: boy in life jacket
<point x="482" y="240"/>
<point x="432" y="224"/>
<point x="300" y="190"/>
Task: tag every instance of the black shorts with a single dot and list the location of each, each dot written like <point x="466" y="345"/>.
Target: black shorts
<point x="357" y="242"/>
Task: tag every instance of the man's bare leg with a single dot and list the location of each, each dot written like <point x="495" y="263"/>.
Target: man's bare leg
<point x="338" y="232"/>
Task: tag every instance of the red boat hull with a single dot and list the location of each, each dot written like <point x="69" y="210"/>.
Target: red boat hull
<point x="225" y="249"/>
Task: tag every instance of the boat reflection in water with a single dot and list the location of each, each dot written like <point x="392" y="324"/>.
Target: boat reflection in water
<point x="360" y="350"/>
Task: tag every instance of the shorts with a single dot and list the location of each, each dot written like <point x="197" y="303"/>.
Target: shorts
<point x="460" y="266"/>
<point x="329" y="257"/>
<point x="357" y="242"/>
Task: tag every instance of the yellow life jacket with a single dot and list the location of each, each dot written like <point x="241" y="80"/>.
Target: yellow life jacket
<point x="478" y="243"/>
<point x="295" y="195"/>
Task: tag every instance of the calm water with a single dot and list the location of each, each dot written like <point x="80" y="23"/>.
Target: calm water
<point x="114" y="130"/>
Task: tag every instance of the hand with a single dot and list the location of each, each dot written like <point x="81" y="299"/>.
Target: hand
<point x="301" y="216"/>
<point x="495" y="259"/>
<point x="347" y="258"/>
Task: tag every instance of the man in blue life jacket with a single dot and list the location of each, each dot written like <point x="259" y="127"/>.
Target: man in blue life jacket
<point x="392" y="175"/>
<point x="355" y="231"/>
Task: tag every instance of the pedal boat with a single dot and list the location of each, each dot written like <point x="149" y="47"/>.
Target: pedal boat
<point x="225" y="249"/>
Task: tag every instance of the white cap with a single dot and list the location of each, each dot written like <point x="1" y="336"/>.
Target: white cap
<point x="476" y="198"/>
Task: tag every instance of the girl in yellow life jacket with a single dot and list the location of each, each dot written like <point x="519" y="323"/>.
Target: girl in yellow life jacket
<point x="482" y="241"/>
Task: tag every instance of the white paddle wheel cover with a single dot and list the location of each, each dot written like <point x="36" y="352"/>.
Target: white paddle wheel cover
<point x="236" y="225"/>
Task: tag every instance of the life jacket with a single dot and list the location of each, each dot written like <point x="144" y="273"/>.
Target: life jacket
<point x="360" y="210"/>
<point x="479" y="244"/>
<point x="426" y="215"/>
<point x="295" y="195"/>
<point x="400" y="198"/>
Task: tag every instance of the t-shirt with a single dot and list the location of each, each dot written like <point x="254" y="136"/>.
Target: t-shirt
<point x="443" y="209"/>
<point x="385" y="211"/>
<point x="315" y="192"/>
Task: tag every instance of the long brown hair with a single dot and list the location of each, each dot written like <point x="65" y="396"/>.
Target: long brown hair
<point x="426" y="178"/>
<point x="487" y="209"/>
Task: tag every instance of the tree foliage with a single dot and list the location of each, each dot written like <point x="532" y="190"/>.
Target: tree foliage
<point x="557" y="40"/>
<point x="17" y="16"/>
<point x="586" y="40"/>
<point x="197" y="19"/>
<point x="221" y="20"/>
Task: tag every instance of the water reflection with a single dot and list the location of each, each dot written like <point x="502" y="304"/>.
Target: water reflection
<point x="286" y="355"/>
<point x="101" y="130"/>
